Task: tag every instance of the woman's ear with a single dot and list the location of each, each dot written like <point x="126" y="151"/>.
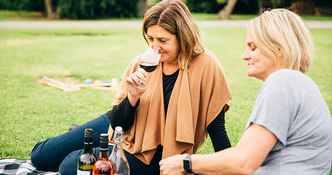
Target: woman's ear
<point x="279" y="52"/>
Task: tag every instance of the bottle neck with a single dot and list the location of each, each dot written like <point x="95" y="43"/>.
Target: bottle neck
<point x="88" y="147"/>
<point x="103" y="155"/>
<point x="103" y="151"/>
<point x="118" y="147"/>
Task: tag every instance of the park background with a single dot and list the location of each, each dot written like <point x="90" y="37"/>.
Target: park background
<point x="31" y="112"/>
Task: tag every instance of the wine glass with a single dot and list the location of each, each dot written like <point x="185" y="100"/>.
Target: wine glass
<point x="149" y="62"/>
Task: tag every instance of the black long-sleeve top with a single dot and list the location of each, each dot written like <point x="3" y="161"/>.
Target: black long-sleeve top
<point x="123" y="115"/>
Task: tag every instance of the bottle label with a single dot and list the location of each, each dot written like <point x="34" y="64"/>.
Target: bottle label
<point x="86" y="172"/>
<point x="123" y="173"/>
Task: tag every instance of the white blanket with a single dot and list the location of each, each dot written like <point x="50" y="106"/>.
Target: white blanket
<point x="21" y="167"/>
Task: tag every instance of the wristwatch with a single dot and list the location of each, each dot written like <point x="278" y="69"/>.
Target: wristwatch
<point x="187" y="164"/>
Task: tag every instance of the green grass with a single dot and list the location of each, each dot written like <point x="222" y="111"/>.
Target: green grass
<point x="8" y="15"/>
<point x="209" y="16"/>
<point x="214" y="16"/>
<point x="317" y="18"/>
<point x="31" y="112"/>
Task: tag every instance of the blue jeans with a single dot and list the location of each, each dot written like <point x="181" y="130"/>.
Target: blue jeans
<point x="61" y="153"/>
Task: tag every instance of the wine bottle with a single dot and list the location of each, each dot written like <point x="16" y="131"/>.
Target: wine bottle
<point x="118" y="158"/>
<point x="103" y="166"/>
<point x="87" y="159"/>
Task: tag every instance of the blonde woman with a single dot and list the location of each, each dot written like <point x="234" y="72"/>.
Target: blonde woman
<point x="289" y="131"/>
<point x="185" y="100"/>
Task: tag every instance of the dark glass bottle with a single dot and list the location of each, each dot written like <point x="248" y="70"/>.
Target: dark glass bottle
<point x="103" y="166"/>
<point x="87" y="159"/>
<point x="118" y="158"/>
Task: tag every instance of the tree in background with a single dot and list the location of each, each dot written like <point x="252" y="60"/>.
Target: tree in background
<point x="23" y="5"/>
<point x="227" y="10"/>
<point x="312" y="7"/>
<point x="50" y="12"/>
<point x="97" y="9"/>
<point x="77" y="9"/>
<point x="141" y="8"/>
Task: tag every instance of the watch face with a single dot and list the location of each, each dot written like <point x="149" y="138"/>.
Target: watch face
<point x="186" y="165"/>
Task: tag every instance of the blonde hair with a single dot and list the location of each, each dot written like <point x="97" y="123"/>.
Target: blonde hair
<point x="175" y="17"/>
<point x="283" y="36"/>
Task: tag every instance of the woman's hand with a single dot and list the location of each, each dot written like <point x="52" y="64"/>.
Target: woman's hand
<point x="135" y="93"/>
<point x="172" y="165"/>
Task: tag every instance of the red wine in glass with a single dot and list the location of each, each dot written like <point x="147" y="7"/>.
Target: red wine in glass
<point x="148" y="67"/>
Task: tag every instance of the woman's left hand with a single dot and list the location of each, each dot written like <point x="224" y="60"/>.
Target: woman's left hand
<point x="172" y="165"/>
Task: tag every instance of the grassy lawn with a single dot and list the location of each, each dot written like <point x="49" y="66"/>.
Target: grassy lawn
<point x="8" y="15"/>
<point x="31" y="112"/>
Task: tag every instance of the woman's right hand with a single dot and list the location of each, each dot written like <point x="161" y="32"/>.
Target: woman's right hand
<point x="135" y="93"/>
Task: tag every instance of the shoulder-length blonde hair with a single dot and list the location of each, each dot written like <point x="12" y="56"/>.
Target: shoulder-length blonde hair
<point x="283" y="36"/>
<point x="175" y="17"/>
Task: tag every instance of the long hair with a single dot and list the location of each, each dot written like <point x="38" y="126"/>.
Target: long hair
<point x="283" y="36"/>
<point x="175" y="17"/>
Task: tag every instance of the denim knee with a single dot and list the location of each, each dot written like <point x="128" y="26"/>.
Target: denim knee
<point x="69" y="163"/>
<point x="35" y="158"/>
<point x="40" y="160"/>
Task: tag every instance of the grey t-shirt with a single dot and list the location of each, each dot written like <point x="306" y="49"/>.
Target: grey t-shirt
<point x="290" y="105"/>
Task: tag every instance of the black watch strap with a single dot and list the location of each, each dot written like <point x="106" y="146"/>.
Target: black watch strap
<point x="187" y="164"/>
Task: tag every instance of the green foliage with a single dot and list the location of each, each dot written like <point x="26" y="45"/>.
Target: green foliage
<point x="7" y="15"/>
<point x="318" y="3"/>
<point x="82" y="9"/>
<point x="204" y="6"/>
<point x="96" y="9"/>
<point x="214" y="6"/>
<point x="245" y="6"/>
<point x="26" y="5"/>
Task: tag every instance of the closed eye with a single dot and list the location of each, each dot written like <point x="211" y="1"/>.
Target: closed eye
<point x="252" y="46"/>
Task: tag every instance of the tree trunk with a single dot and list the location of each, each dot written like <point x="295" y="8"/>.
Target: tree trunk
<point x="274" y="4"/>
<point x="260" y="5"/>
<point x="304" y="7"/>
<point x="141" y="8"/>
<point x="227" y="10"/>
<point x="49" y="9"/>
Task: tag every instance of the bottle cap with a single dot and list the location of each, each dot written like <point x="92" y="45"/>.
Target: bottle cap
<point x="118" y="135"/>
<point x="104" y="142"/>
<point x="88" y="135"/>
<point x="118" y="129"/>
<point x="104" y="137"/>
<point x="88" y="131"/>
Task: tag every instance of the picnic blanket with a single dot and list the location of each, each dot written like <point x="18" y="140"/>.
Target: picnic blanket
<point x="21" y="167"/>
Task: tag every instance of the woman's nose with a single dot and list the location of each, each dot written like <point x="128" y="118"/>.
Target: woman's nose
<point x="155" y="46"/>
<point x="246" y="55"/>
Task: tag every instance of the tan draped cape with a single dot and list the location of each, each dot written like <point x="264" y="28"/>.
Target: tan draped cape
<point x="197" y="98"/>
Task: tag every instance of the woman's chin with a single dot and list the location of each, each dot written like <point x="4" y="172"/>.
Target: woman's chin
<point x="249" y="73"/>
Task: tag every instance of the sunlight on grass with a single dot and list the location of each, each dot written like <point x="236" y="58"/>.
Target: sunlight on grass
<point x="212" y="16"/>
<point x="31" y="112"/>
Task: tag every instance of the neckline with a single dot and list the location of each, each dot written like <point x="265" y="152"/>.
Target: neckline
<point x="172" y="73"/>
